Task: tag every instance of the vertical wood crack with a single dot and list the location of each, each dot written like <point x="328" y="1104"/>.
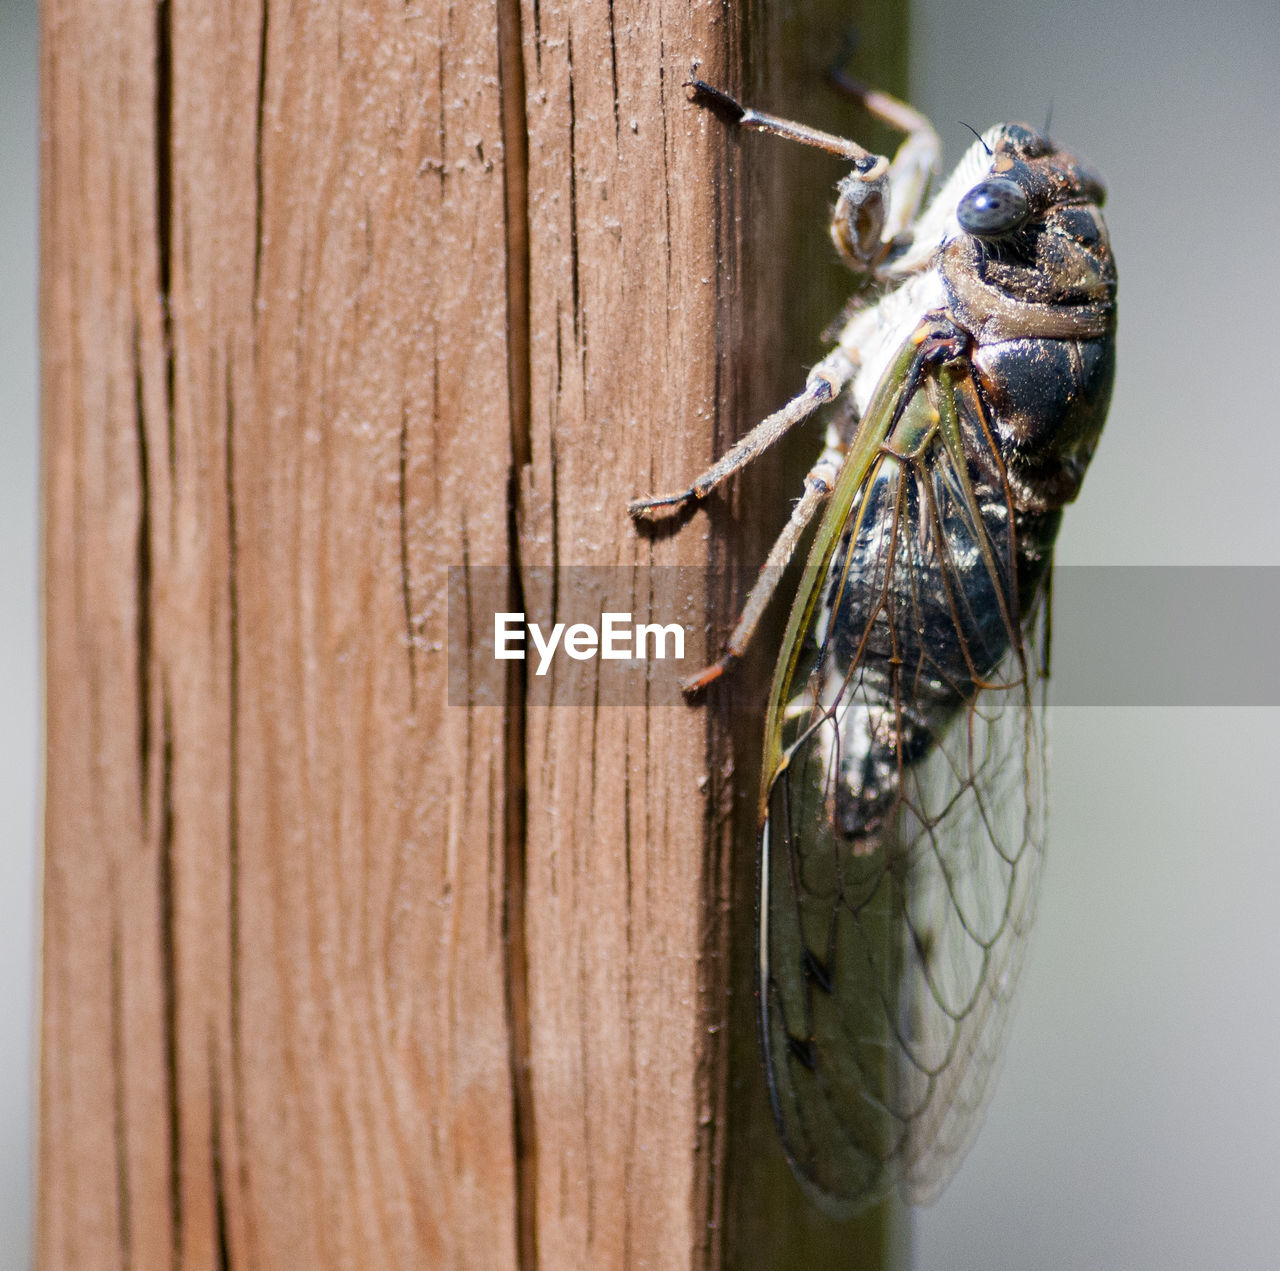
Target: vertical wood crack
<point x="259" y="111"/>
<point x="120" y="1107"/>
<point x="169" y="978"/>
<point x="406" y="591"/>
<point x="164" y="204"/>
<point x="142" y="582"/>
<point x="233" y="804"/>
<point x="515" y="169"/>
<point x="221" y="1237"/>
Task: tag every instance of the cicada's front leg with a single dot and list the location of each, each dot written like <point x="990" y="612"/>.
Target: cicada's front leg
<point x="858" y="222"/>
<point x="878" y="201"/>
<point x="913" y="167"/>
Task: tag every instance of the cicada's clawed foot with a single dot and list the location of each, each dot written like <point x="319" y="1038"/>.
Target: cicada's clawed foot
<point x="695" y="685"/>
<point x="661" y="506"/>
<point x="729" y="109"/>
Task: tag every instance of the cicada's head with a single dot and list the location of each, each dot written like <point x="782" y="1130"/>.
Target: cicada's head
<point x="1028" y="176"/>
<point x="1029" y="255"/>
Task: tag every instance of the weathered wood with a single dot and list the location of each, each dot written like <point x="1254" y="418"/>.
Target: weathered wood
<point x="342" y="970"/>
<point x="275" y="401"/>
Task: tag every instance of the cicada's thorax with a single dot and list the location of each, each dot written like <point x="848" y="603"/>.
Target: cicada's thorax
<point x="943" y="564"/>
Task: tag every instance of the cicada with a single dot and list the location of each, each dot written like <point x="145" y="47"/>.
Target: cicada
<point x="902" y="805"/>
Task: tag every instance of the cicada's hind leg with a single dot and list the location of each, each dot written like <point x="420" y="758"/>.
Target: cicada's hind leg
<point x="817" y="488"/>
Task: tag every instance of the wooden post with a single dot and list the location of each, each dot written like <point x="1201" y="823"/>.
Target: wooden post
<point x="341" y="970"/>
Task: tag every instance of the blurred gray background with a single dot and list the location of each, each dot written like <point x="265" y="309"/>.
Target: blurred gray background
<point x="1137" y="1122"/>
<point x="20" y="730"/>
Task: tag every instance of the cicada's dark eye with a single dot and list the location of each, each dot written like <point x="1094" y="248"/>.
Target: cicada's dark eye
<point x="993" y="207"/>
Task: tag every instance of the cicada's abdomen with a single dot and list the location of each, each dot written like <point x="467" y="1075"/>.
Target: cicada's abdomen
<point x="919" y="600"/>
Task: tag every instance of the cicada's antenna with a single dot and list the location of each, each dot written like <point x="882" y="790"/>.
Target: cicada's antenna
<point x="977" y="134"/>
<point x="1048" y="117"/>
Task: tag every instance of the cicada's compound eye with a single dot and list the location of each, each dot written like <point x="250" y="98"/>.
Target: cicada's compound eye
<point x="994" y="207"/>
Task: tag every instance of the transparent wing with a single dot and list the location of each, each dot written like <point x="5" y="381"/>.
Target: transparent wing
<point x="903" y="824"/>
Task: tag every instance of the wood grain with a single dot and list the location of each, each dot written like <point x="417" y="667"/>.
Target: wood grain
<point x="342" y="968"/>
<point x="275" y="397"/>
<point x="629" y="317"/>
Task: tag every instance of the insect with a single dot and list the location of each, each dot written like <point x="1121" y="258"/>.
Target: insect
<point x="902" y="805"/>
